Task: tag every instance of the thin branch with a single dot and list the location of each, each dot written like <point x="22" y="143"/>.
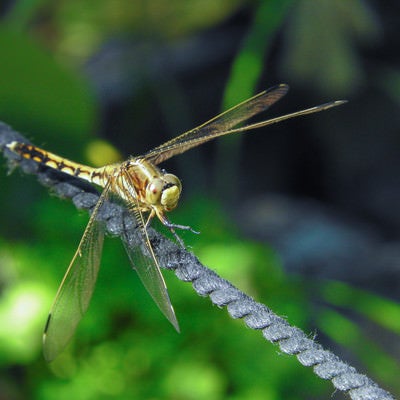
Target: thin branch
<point x="291" y="340"/>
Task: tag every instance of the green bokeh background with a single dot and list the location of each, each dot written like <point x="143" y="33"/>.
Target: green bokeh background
<point x="124" y="349"/>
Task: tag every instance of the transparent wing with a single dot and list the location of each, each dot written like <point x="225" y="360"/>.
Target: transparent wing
<point x="223" y="123"/>
<point x="142" y="257"/>
<point x="218" y="125"/>
<point x="77" y="286"/>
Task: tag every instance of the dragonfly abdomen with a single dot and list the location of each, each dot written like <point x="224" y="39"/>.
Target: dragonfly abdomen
<point x="56" y="162"/>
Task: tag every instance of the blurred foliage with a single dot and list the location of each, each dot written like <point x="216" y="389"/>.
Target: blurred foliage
<point x="81" y="26"/>
<point x="36" y="93"/>
<point x="124" y="348"/>
<point x="332" y="61"/>
<point x="123" y="344"/>
<point x="352" y="303"/>
<point x="247" y="67"/>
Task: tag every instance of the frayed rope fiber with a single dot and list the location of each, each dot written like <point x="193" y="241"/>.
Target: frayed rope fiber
<point x="187" y="267"/>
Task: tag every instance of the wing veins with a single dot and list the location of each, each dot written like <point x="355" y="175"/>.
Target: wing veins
<point x="218" y="125"/>
<point x="76" y="288"/>
<point x="256" y="125"/>
<point x="146" y="266"/>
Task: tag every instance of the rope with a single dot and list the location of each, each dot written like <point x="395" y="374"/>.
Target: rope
<point x="291" y="340"/>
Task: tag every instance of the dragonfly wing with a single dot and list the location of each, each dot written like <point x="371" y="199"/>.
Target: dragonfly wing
<point x="144" y="260"/>
<point x="225" y="123"/>
<point x="77" y="286"/>
<point x="219" y="125"/>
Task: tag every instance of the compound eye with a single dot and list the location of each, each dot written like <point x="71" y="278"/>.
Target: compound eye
<point x="173" y="180"/>
<point x="153" y="191"/>
<point x="171" y="192"/>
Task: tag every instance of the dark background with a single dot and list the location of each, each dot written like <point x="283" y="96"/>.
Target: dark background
<point x="303" y="215"/>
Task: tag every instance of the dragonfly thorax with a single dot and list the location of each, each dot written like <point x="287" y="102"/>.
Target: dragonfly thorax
<point x="164" y="191"/>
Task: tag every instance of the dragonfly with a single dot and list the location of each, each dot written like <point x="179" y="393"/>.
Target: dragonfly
<point x="147" y="192"/>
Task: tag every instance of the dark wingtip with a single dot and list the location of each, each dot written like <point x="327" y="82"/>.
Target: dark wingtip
<point x="282" y="87"/>
<point x="340" y="102"/>
<point x="334" y="103"/>
<point x="46" y="354"/>
<point x="46" y="327"/>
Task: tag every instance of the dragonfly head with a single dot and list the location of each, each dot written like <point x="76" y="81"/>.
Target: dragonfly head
<point x="164" y="191"/>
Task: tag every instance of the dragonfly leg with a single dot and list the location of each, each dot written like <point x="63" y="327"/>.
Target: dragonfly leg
<point x="170" y="225"/>
<point x="149" y="218"/>
<point x="172" y="228"/>
<point x="178" y="239"/>
<point x="164" y="220"/>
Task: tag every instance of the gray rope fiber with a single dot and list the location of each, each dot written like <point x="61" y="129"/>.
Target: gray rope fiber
<point x="187" y="267"/>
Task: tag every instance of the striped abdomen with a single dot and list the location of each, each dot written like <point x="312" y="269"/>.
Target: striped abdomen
<point x="95" y="175"/>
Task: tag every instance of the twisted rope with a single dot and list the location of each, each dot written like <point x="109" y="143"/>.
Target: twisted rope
<point x="222" y="293"/>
